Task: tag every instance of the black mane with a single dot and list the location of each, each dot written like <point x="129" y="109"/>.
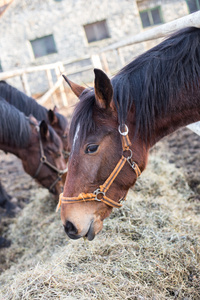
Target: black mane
<point x="14" y="126"/>
<point x="15" y="130"/>
<point x="27" y="104"/>
<point x="151" y="82"/>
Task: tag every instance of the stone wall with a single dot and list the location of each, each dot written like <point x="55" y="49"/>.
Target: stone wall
<point x="26" y="20"/>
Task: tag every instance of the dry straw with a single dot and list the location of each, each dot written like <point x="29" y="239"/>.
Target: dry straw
<point x="149" y="249"/>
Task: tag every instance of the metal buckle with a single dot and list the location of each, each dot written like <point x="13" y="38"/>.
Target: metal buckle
<point x="131" y="163"/>
<point x="97" y="192"/>
<point x="125" y="132"/>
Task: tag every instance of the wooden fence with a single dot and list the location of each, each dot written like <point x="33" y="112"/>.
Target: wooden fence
<point x="99" y="60"/>
<point x="58" y="68"/>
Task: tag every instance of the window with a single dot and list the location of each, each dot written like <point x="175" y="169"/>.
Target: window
<point x="43" y="46"/>
<point x="151" y="17"/>
<point x="96" y="31"/>
<point x="193" y="5"/>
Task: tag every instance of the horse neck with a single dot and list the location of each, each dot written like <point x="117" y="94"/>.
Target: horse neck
<point x="19" y="150"/>
<point x="10" y="149"/>
<point x="184" y="110"/>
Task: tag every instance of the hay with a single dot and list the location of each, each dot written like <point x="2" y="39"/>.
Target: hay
<point x="149" y="249"/>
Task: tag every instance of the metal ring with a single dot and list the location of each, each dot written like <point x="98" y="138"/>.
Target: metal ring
<point x="131" y="154"/>
<point x="97" y="192"/>
<point x="43" y="158"/>
<point x="125" y="132"/>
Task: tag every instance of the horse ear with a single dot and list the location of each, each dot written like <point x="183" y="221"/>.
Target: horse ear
<point x="52" y="117"/>
<point x="55" y="109"/>
<point x="103" y="89"/>
<point x="44" y="130"/>
<point x="76" y="89"/>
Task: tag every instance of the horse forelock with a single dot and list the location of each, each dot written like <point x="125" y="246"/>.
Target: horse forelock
<point x="83" y="117"/>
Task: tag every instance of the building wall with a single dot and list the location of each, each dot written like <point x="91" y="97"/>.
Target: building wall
<point x="26" y="20"/>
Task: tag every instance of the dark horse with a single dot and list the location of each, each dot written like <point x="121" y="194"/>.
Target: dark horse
<point x="29" y="106"/>
<point x="36" y="144"/>
<point x="115" y="124"/>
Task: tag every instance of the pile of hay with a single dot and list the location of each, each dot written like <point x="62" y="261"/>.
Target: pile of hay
<point x="149" y="249"/>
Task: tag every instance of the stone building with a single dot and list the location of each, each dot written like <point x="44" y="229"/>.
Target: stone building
<point x="41" y="32"/>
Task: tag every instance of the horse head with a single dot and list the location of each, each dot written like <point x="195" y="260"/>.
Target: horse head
<point x="43" y="157"/>
<point x="98" y="173"/>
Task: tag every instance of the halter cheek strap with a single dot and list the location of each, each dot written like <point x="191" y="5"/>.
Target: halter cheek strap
<point x="44" y="161"/>
<point x="100" y="193"/>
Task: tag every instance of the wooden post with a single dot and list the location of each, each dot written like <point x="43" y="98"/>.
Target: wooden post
<point x="105" y="63"/>
<point x="50" y="82"/>
<point x="121" y="57"/>
<point x="25" y="84"/>
<point x="96" y="62"/>
<point x="59" y="71"/>
<point x="50" y="92"/>
<point x="119" y="63"/>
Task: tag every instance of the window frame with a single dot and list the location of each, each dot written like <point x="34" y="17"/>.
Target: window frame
<point x="149" y="10"/>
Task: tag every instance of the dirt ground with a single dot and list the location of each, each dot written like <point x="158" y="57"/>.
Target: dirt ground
<point x="183" y="149"/>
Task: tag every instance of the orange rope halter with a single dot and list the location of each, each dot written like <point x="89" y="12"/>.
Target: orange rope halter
<point x="99" y="194"/>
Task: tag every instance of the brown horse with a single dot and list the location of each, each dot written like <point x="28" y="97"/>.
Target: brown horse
<point x="115" y="124"/>
<point x="36" y="144"/>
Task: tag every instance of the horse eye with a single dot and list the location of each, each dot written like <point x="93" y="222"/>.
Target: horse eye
<point x="58" y="154"/>
<point x="91" y="148"/>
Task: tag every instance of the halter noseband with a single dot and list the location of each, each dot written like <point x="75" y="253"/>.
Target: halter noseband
<point x="100" y="193"/>
<point x="44" y="161"/>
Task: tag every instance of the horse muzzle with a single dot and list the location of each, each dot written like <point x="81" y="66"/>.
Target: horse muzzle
<point x="73" y="233"/>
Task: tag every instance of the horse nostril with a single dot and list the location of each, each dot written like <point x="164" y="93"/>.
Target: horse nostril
<point x="70" y="228"/>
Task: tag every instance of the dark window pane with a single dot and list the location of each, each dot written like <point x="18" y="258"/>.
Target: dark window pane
<point x="43" y="46"/>
<point x="156" y="16"/>
<point x="151" y="17"/>
<point x="96" y="31"/>
<point x="50" y="44"/>
<point x="89" y="30"/>
<point x="145" y="19"/>
<point x="192" y="4"/>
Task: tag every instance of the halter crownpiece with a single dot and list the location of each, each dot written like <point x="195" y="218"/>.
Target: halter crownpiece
<point x="100" y="193"/>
